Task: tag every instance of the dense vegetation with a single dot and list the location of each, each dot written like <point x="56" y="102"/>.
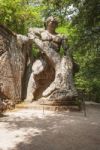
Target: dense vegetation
<point x="78" y="19"/>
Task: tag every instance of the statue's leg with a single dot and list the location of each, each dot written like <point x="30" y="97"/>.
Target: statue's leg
<point x="31" y="88"/>
<point x="58" y="63"/>
<point x="56" y="83"/>
<point x="63" y="77"/>
<point x="38" y="67"/>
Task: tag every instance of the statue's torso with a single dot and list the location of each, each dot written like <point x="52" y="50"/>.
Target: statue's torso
<point x="54" y="41"/>
<point x="51" y="40"/>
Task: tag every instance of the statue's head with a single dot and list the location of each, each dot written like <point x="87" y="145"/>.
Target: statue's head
<point x="52" y="22"/>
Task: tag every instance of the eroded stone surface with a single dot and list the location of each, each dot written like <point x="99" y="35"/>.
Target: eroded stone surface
<point x="61" y="88"/>
<point x="14" y="55"/>
<point x="41" y="77"/>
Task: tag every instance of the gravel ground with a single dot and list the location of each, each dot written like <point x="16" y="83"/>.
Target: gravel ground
<point x="29" y="129"/>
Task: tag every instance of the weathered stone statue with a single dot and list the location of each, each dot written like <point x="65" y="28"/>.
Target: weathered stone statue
<point x="48" y="79"/>
<point x="51" y="79"/>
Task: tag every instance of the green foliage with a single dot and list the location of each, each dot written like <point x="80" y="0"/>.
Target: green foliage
<point x="87" y="48"/>
<point x="18" y="15"/>
<point x="35" y="52"/>
<point x="88" y="78"/>
<point x="56" y="8"/>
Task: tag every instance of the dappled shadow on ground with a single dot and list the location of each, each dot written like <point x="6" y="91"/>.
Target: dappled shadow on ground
<point x="2" y="115"/>
<point x="35" y="130"/>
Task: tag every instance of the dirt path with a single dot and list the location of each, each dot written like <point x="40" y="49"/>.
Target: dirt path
<point x="30" y="129"/>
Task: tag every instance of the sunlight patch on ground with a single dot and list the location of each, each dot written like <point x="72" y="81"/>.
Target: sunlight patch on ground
<point x="10" y="138"/>
<point x="28" y="113"/>
<point x="11" y="135"/>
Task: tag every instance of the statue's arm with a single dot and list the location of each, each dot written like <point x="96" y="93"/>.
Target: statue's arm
<point x="33" y="37"/>
<point x="22" y="39"/>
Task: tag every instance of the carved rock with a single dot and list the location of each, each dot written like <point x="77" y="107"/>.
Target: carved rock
<point x="41" y="77"/>
<point x="3" y="106"/>
<point x="49" y="79"/>
<point x="14" y="55"/>
<point x="59" y="86"/>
